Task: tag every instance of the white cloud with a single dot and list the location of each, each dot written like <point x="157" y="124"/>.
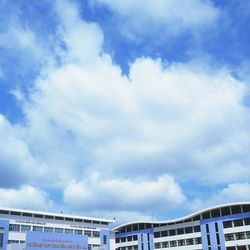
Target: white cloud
<point x="235" y="192"/>
<point x="26" y="197"/>
<point x="124" y="194"/>
<point x="172" y="16"/>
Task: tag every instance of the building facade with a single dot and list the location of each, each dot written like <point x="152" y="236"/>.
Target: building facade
<point x="225" y="227"/>
<point x="15" y="223"/>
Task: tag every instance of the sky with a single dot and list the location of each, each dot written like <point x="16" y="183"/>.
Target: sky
<point x="136" y="110"/>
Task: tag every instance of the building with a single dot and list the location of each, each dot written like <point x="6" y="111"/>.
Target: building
<point x="16" y="223"/>
<point x="224" y="227"/>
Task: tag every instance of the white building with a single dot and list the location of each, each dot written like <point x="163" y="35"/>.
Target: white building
<point x="14" y="223"/>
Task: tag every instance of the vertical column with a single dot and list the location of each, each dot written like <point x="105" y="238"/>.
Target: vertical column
<point x="221" y="236"/>
<point x="204" y="237"/>
<point x="105" y="239"/>
<point x="213" y="240"/>
<point x="5" y="225"/>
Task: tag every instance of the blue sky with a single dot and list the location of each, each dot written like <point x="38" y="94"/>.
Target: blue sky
<point x="124" y="108"/>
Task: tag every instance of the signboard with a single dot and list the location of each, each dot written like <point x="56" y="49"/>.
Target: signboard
<point x="55" y="241"/>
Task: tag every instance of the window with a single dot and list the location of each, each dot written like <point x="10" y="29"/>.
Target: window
<point x="189" y="242"/>
<point x="215" y="213"/>
<point x="229" y="237"/>
<point x="69" y="219"/>
<point x="37" y="229"/>
<point x="173" y="243"/>
<point x="135" y="237"/>
<point x="248" y="235"/>
<point x="14" y="228"/>
<point x="129" y="238"/>
<point x="59" y="230"/>
<point x="236" y="209"/>
<point x="104" y="239"/>
<point x="164" y="233"/>
<point x="48" y="229"/>
<point x="68" y="231"/>
<point x="206" y="215"/>
<point x="123" y="239"/>
<point x="247" y="221"/>
<point x="246" y="208"/>
<point x="77" y="231"/>
<point x="238" y="223"/>
<point x="87" y="232"/>
<point x="117" y="240"/>
<point x="227" y="224"/>
<point x="157" y="234"/>
<point x="80" y="220"/>
<point x="96" y="234"/>
<point x="225" y="211"/>
<point x="4" y="212"/>
<point x="240" y="236"/>
<point x="25" y="228"/>
<point x="27" y="214"/>
<point x="197" y="240"/>
<point x="165" y="244"/>
<point x="104" y="223"/>
<point x="59" y="218"/>
<point x="49" y="217"/>
<point x="15" y="213"/>
<point x="172" y="232"/>
<point x="38" y="215"/>
<point x="197" y="229"/>
<point x="180" y="231"/>
<point x="188" y="230"/>
<point x="157" y="245"/>
<point x="181" y="242"/>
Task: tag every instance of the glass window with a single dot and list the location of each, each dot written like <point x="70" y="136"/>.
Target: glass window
<point x="15" y="213"/>
<point x="246" y="208"/>
<point x="197" y="229"/>
<point x="68" y="219"/>
<point x="25" y="228"/>
<point x="173" y="243"/>
<point x="181" y="242"/>
<point x="238" y="223"/>
<point x="87" y="232"/>
<point x="227" y="224"/>
<point x="188" y="230"/>
<point x="180" y="231"/>
<point x="247" y="221"/>
<point x="164" y="233"/>
<point x="37" y="229"/>
<point x="27" y="214"/>
<point x="206" y="215"/>
<point x="104" y="239"/>
<point x="157" y="234"/>
<point x="215" y="213"/>
<point x="197" y="240"/>
<point x="236" y="209"/>
<point x="229" y="237"/>
<point x="38" y="215"/>
<point x="59" y="218"/>
<point x="96" y="234"/>
<point x="157" y="245"/>
<point x="225" y="211"/>
<point x="48" y="229"/>
<point x="69" y="231"/>
<point x="78" y="231"/>
<point x="14" y="228"/>
<point x="172" y="232"/>
<point x="165" y="244"/>
<point x="123" y="239"/>
<point x="248" y="235"/>
<point x="59" y="230"/>
<point x="240" y="236"/>
<point x="135" y="237"/>
<point x="49" y="217"/>
<point x="129" y="238"/>
<point x="189" y="242"/>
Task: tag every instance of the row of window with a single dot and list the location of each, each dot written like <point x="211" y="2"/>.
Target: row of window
<point x="175" y="243"/>
<point x="244" y="247"/>
<point x="125" y="239"/>
<point x="224" y="211"/>
<point x="236" y="223"/>
<point x="134" y="247"/>
<point x="51" y="217"/>
<point x="237" y="236"/>
<point x="1" y="240"/>
<point x="178" y="231"/>
<point x="25" y="228"/>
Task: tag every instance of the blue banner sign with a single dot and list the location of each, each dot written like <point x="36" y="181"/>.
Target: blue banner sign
<point x="55" y="241"/>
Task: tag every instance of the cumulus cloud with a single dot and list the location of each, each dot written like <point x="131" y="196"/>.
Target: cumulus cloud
<point x="27" y="196"/>
<point x="234" y="192"/>
<point x="124" y="194"/>
<point x="142" y="135"/>
<point x="172" y="16"/>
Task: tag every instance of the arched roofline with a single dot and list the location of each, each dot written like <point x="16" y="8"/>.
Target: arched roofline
<point x="190" y="216"/>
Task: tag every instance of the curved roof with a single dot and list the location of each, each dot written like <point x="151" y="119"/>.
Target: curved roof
<point x="190" y="216"/>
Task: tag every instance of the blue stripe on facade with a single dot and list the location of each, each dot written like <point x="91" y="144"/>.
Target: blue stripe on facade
<point x="221" y="235"/>
<point x="204" y="237"/>
<point x="107" y="234"/>
<point x="5" y="225"/>
<point x="212" y="234"/>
